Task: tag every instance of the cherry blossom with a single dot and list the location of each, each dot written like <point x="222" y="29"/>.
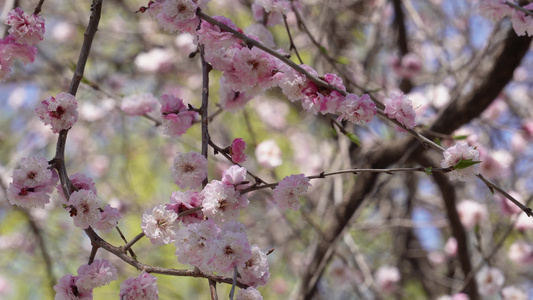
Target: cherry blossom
<point x="235" y="176"/>
<point x="323" y="101"/>
<point x="272" y="9"/>
<point x="490" y="281"/>
<point x="254" y="272"/>
<point x="27" y="30"/>
<point x="399" y="107"/>
<point x="66" y="289"/>
<point x="289" y="189"/>
<point x="268" y="154"/>
<point x="183" y="201"/>
<point x="138" y="104"/>
<point x="79" y="181"/>
<point x="176" y="116"/>
<point x="221" y="202"/>
<point x="513" y="293"/>
<point x="494" y="9"/>
<point x="237" y="150"/>
<point x="453" y="155"/>
<point x="60" y="112"/>
<point x="142" y="287"/>
<point x="231" y="249"/>
<point x="231" y="100"/>
<point x="160" y="225"/>
<point x="109" y="218"/>
<point x="193" y="241"/>
<point x="189" y="170"/>
<point x="32" y="183"/>
<point x="98" y="273"/>
<point x="11" y="51"/>
<point x="249" y="294"/>
<point x="84" y="208"/>
<point x="293" y="83"/>
<point x="358" y="110"/>
<point x="521" y="252"/>
<point x="252" y="68"/>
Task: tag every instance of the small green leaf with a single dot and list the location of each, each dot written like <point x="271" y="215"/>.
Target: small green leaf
<point x="465" y="163"/>
<point x="343" y="60"/>
<point x="459" y="137"/>
<point x="323" y="50"/>
<point x="353" y="138"/>
<point x="428" y="170"/>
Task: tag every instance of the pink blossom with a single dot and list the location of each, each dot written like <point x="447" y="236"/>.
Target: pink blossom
<point x="193" y="241"/>
<point x="160" y="225"/>
<point x="231" y="249"/>
<point x="66" y="289"/>
<point x="268" y="154"/>
<point x="451" y="247"/>
<point x="260" y="33"/>
<point x="60" y="112"/>
<point x="408" y="66"/>
<point x="513" y="293"/>
<point x="176" y="15"/>
<point x="454" y="154"/>
<point x="79" y="181"/>
<point x="293" y="83"/>
<point x="249" y="294"/>
<point x="235" y="176"/>
<point x="139" y="104"/>
<point x="254" y="272"/>
<point x="142" y="287"/>
<point x="323" y="101"/>
<point x="472" y="213"/>
<point x="358" y="110"/>
<point x="183" y="201"/>
<point x="221" y="202"/>
<point x="98" y="273"/>
<point x="252" y="68"/>
<point x="231" y="100"/>
<point x="494" y="9"/>
<point x="213" y="37"/>
<point x="399" y="107"/>
<point x="27" y="30"/>
<point x="272" y="9"/>
<point x="176" y="116"/>
<point x="490" y="281"/>
<point x="155" y="60"/>
<point x="85" y="208"/>
<point x="521" y="252"/>
<point x="109" y="218"/>
<point x="522" y="23"/>
<point x="32" y="183"/>
<point x="288" y="190"/>
<point x="189" y="170"/>
<point x="237" y="150"/>
<point x="11" y="51"/>
<point x="524" y="222"/>
<point x="387" y="277"/>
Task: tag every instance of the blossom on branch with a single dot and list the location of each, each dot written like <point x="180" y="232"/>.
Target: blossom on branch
<point x="494" y="10"/>
<point x="221" y="202"/>
<point x="98" y="273"/>
<point x="193" y="241"/>
<point x="189" y="170"/>
<point x="79" y="181"/>
<point x="461" y="153"/>
<point x="26" y="29"/>
<point x="358" y="110"/>
<point x="160" y="225"/>
<point x="84" y="208"/>
<point x="32" y="183"/>
<point x="231" y="248"/>
<point x="522" y="22"/>
<point x="176" y="116"/>
<point x="254" y="272"/>
<point x="10" y="51"/>
<point x="237" y="150"/>
<point x="67" y="289"/>
<point x="109" y="218"/>
<point x="399" y="107"/>
<point x="60" y="112"/>
<point x="142" y="287"/>
<point x="183" y="201"/>
<point x="288" y="191"/>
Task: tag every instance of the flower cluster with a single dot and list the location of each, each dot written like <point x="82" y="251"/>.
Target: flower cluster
<point x="60" y="112"/>
<point x="498" y="9"/>
<point x="85" y="209"/>
<point x="32" y="183"/>
<point x="176" y="15"/>
<point x="289" y="189"/>
<point x="98" y="273"/>
<point x="24" y="33"/>
<point x="183" y="201"/>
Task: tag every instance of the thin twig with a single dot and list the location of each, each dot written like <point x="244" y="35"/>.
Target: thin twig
<point x="37" y="9"/>
<point x="234" y="284"/>
<point x="133" y="241"/>
<point x="520" y="8"/>
<point x="292" y="45"/>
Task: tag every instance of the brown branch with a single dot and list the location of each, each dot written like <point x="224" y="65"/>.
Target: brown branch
<point x="37" y="9"/>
